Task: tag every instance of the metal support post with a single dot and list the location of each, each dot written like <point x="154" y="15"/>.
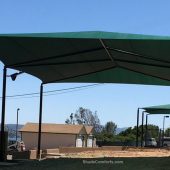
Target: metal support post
<point x="137" y="128"/>
<point x="40" y="121"/>
<point x="2" y="135"/>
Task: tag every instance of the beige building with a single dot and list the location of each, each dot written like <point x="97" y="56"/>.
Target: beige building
<point x="57" y="135"/>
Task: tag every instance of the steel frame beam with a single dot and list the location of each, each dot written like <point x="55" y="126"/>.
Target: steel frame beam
<point x="2" y="135"/>
<point x="40" y="122"/>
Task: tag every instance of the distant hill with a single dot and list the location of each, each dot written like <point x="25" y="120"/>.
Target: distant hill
<point x="13" y="126"/>
<point x="12" y="130"/>
<point x="118" y="130"/>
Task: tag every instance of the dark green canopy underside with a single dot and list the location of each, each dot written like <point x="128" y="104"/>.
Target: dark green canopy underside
<point x="161" y="109"/>
<point x="89" y="57"/>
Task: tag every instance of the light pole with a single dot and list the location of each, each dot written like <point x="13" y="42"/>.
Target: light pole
<point x="17" y="125"/>
<point x="163" y="128"/>
<point x="164" y="122"/>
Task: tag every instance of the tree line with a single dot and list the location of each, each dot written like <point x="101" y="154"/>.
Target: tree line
<point x="106" y="134"/>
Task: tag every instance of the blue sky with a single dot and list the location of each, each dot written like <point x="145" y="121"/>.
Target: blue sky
<point x="112" y="101"/>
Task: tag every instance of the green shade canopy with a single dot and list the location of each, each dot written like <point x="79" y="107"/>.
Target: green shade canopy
<point x="161" y="109"/>
<point x="101" y="57"/>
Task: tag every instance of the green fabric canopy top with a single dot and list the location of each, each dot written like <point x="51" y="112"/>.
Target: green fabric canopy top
<point x="100" y="57"/>
<point x="85" y="57"/>
<point x="161" y="109"/>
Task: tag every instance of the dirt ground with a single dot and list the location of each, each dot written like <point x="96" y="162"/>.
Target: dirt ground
<point x="140" y="159"/>
<point x="124" y="153"/>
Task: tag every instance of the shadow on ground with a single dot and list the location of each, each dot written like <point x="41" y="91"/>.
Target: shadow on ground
<point x="162" y="163"/>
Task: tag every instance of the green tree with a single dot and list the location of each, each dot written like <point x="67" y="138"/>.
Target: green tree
<point x="86" y="117"/>
<point x="110" y="127"/>
<point x="130" y="133"/>
<point x="126" y="132"/>
<point x="167" y="132"/>
<point x="70" y="120"/>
